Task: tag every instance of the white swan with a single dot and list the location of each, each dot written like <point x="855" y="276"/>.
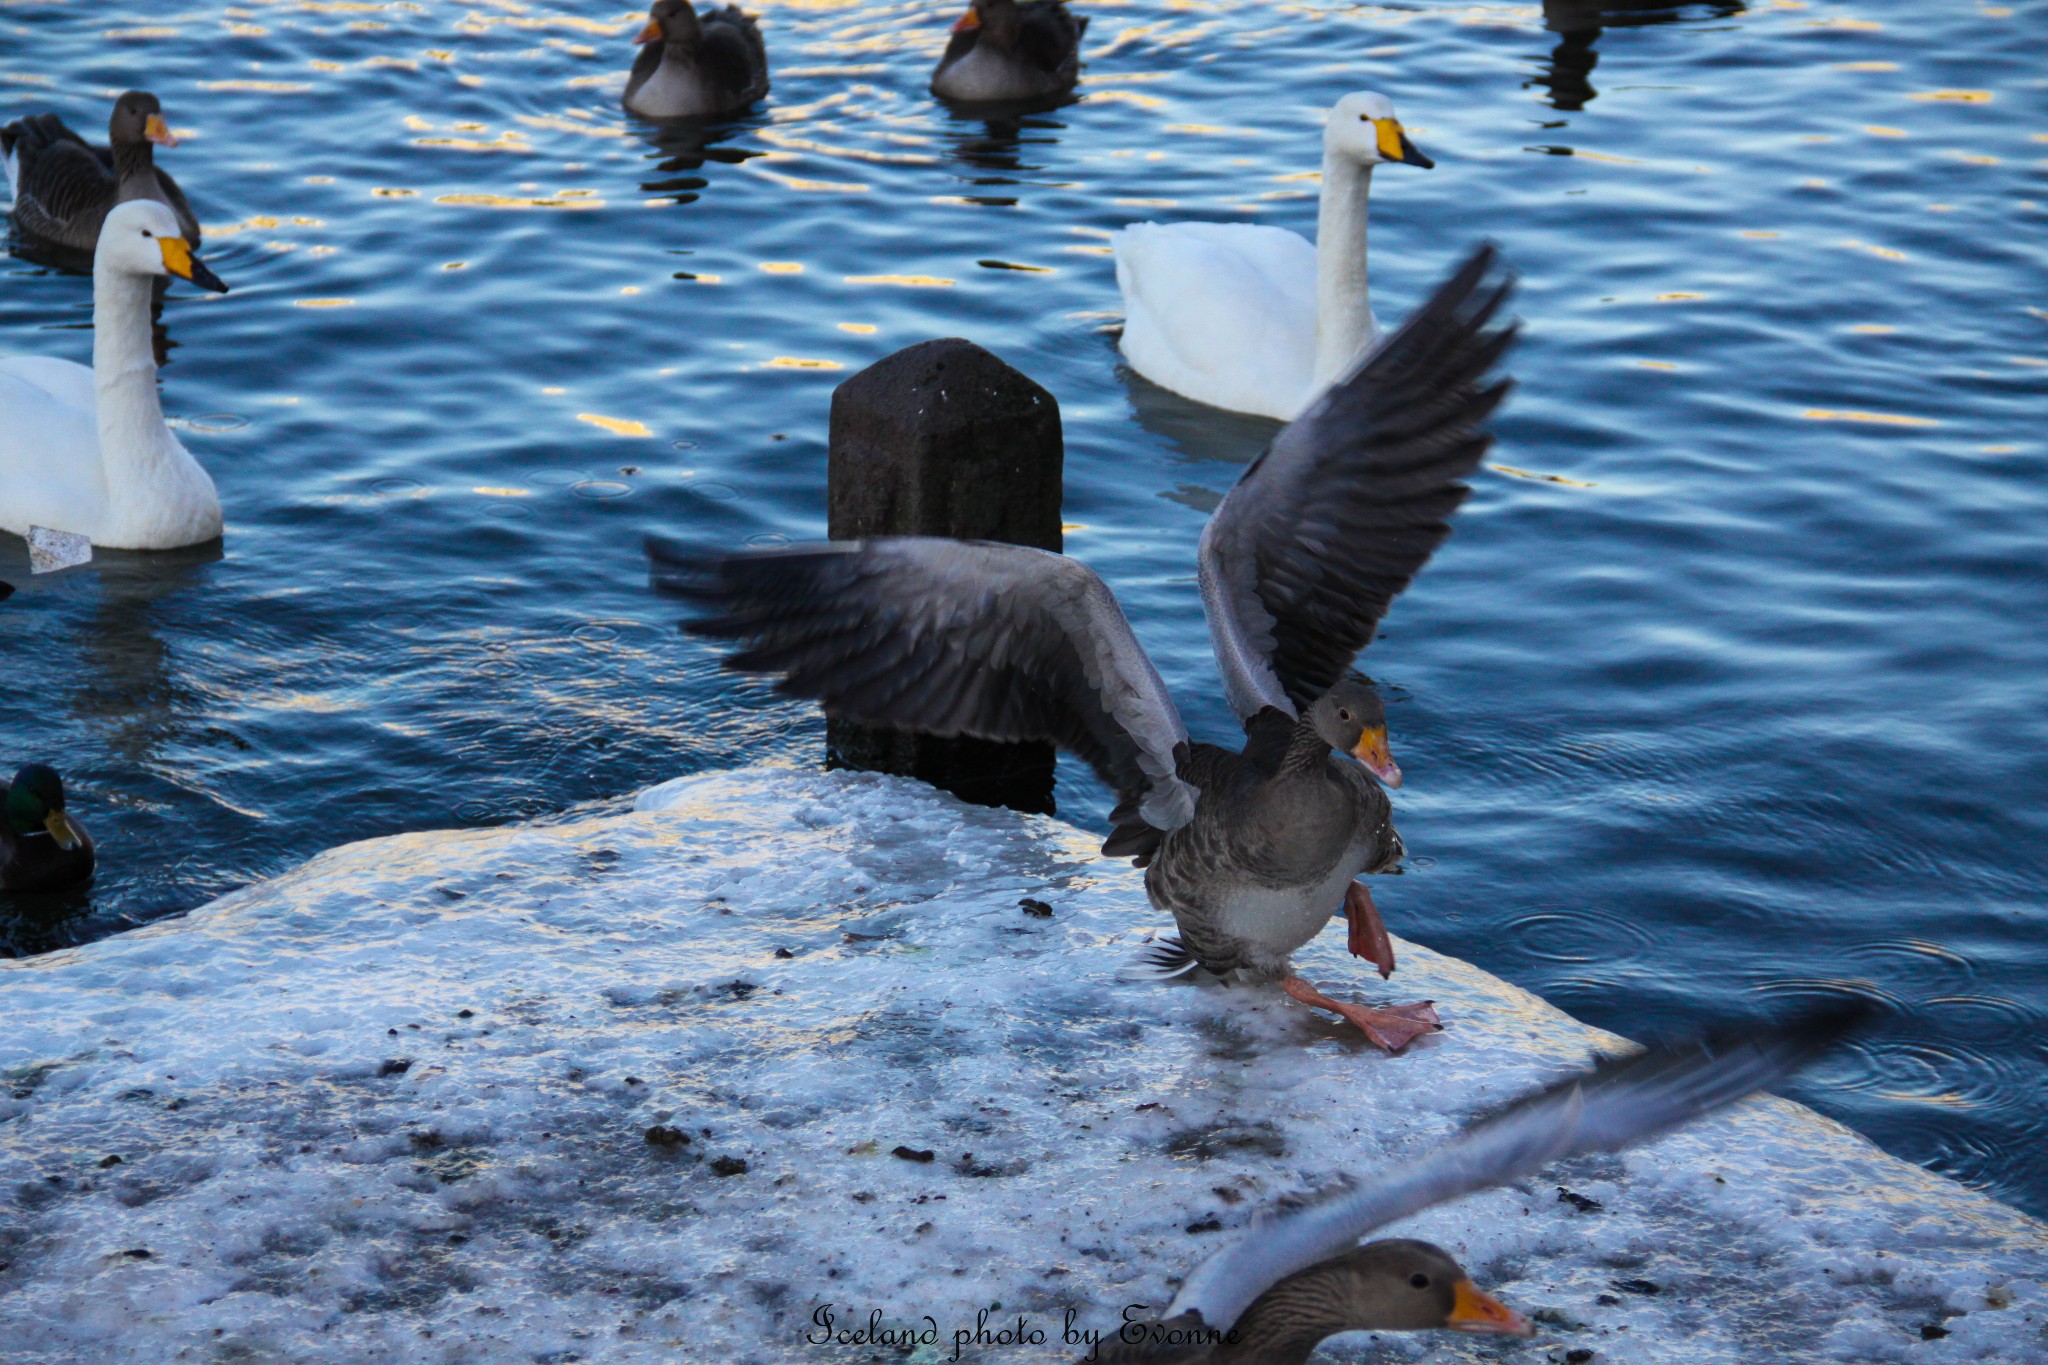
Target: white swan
<point x="1253" y="318"/>
<point x="87" y="451"/>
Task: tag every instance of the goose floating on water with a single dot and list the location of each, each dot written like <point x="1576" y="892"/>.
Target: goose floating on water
<point x="1005" y="52"/>
<point x="1298" y="1276"/>
<point x="1252" y="851"/>
<point x="64" y="188"/>
<point x="696" y="65"/>
<point x="1253" y="318"/>
<point x="41" y="847"/>
<point x="86" y="450"/>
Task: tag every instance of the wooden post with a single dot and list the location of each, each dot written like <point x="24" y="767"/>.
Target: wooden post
<point x="944" y="439"/>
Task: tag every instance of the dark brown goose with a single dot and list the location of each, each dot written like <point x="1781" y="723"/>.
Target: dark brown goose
<point x="1298" y="1276"/>
<point x="1002" y="52"/>
<point x="695" y="65"/>
<point x="64" y="187"/>
<point x="41" y="847"/>
<point x="1251" y="851"/>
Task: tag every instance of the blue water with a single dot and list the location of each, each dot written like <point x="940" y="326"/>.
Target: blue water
<point x="1737" y="698"/>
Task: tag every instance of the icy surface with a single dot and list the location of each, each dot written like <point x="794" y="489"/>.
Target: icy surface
<point x="396" y="1106"/>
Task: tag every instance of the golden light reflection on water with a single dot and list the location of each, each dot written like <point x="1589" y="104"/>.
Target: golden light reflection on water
<point x="1957" y="96"/>
<point x="1889" y="419"/>
<point x="323" y="303"/>
<point x="566" y="199"/>
<point x="790" y="362"/>
<point x="259" y="87"/>
<point x="857" y="328"/>
<point x="910" y="281"/>
<point x="617" y="426"/>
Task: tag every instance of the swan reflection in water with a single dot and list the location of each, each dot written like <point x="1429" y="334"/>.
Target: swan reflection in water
<point x="1579" y="24"/>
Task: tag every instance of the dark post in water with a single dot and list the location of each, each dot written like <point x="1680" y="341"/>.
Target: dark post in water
<point x="944" y="439"/>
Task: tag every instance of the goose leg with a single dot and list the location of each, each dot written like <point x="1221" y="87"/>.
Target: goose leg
<point x="1368" y="937"/>
<point x="1392" y="1027"/>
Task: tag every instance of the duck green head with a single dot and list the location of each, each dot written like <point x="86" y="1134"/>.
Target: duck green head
<point x="35" y="805"/>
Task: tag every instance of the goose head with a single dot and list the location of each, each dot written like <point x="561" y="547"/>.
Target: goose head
<point x="142" y="237"/>
<point x="1394" y="1285"/>
<point x="671" y="22"/>
<point x="138" y="117"/>
<point x="1352" y="717"/>
<point x="1363" y="128"/>
<point x="991" y="21"/>
<point x="35" y="806"/>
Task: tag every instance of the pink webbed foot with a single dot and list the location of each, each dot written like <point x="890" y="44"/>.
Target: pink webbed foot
<point x="1368" y="938"/>
<point x="1392" y="1027"/>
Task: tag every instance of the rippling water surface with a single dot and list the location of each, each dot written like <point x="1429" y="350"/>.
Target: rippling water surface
<point x="1729" y="686"/>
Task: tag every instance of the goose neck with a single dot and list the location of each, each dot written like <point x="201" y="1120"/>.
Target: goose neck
<point x="1343" y="305"/>
<point x="133" y="161"/>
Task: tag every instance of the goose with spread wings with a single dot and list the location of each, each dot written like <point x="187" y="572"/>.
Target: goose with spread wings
<point x="1299" y="1276"/>
<point x="1252" y="851"/>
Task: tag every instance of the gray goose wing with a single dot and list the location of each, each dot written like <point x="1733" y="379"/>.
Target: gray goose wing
<point x="1347" y="504"/>
<point x="62" y="186"/>
<point x="953" y="637"/>
<point x="731" y="54"/>
<point x="1616" y="1104"/>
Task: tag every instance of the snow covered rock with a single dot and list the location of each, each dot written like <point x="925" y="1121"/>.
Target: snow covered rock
<point x="674" y="1085"/>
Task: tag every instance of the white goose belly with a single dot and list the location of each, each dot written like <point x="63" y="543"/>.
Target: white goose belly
<point x="1274" y="921"/>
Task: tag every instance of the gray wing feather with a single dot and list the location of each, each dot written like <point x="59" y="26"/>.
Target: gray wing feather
<point x="951" y="637"/>
<point x="1617" y="1104"/>
<point x="1347" y="504"/>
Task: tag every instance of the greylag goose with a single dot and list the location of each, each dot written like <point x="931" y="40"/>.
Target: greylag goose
<point x="1003" y="52"/>
<point x="87" y="450"/>
<point x="697" y="65"/>
<point x="1299" y="1276"/>
<point x="41" y="848"/>
<point x="64" y="187"/>
<point x="1250" y="851"/>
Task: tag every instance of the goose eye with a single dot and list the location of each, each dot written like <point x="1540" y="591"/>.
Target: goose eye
<point x="1419" y="1280"/>
<point x="1342" y="714"/>
<point x="147" y="233"/>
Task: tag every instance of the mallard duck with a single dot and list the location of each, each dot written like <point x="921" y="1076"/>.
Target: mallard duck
<point x="1253" y="318"/>
<point x="1003" y="52"/>
<point x="41" y="848"/>
<point x="64" y="188"/>
<point x="1251" y="851"/>
<point x="1298" y="1276"/>
<point x="86" y="450"/>
<point x="697" y="65"/>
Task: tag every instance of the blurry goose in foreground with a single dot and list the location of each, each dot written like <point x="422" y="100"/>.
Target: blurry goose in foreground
<point x="1253" y="318"/>
<point x="1002" y="51"/>
<point x="41" y="848"/>
<point x="1298" y="1275"/>
<point x="86" y="450"/>
<point x="1251" y="851"/>
<point x="64" y="188"/>
<point x="697" y="65"/>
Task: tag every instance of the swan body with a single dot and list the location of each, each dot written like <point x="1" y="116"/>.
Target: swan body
<point x="87" y="450"/>
<point x="1253" y="318"/>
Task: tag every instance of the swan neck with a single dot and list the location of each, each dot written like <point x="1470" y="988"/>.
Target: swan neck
<point x="1344" y="322"/>
<point x="133" y="437"/>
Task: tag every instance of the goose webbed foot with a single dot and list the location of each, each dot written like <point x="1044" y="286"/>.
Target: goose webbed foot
<point x="1368" y="938"/>
<point x="1392" y="1027"/>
